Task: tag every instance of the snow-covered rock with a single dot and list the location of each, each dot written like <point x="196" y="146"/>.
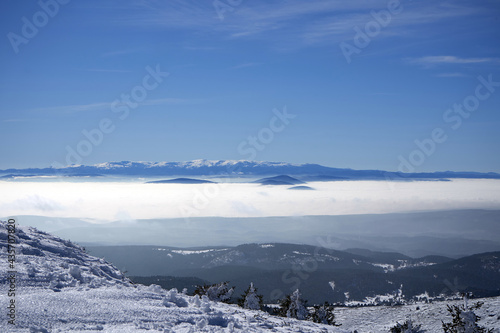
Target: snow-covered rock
<point x="46" y="261"/>
<point x="60" y="288"/>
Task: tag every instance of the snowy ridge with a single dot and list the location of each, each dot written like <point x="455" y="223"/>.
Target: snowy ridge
<point x="46" y="261"/>
<point x="225" y="168"/>
<point x="195" y="164"/>
<point x="60" y="288"/>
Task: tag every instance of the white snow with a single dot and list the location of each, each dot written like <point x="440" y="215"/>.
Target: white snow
<point x="403" y="264"/>
<point x="60" y="288"/>
<point x="302" y="253"/>
<point x="187" y="252"/>
<point x="194" y="164"/>
<point x="386" y="267"/>
<point x="124" y="310"/>
<point x="381" y="318"/>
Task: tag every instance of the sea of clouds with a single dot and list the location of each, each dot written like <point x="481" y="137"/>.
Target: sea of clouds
<point x="130" y="200"/>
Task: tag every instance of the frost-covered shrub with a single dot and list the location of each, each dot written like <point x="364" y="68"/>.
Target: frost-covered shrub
<point x="407" y="327"/>
<point x="219" y="292"/>
<point x="250" y="299"/>
<point x="293" y="306"/>
<point x="323" y="314"/>
<point x="464" y="320"/>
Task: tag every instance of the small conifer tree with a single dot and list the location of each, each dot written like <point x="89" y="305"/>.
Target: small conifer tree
<point x="464" y="320"/>
<point x="219" y="292"/>
<point x="283" y="306"/>
<point x="323" y="314"/>
<point x="250" y="299"/>
<point x="293" y="306"/>
<point x="407" y="327"/>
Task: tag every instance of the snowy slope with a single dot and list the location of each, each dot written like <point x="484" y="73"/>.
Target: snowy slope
<point x="382" y="318"/>
<point x="47" y="261"/>
<point x="60" y="288"/>
<point x="139" y="309"/>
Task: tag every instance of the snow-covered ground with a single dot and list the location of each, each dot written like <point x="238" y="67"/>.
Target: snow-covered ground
<point x="60" y="288"/>
<point x="140" y="309"/>
<point x="382" y="318"/>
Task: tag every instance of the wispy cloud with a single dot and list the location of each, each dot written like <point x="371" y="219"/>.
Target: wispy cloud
<point x="73" y="108"/>
<point x="18" y="120"/>
<point x="451" y="75"/>
<point x="107" y="70"/>
<point x="340" y="26"/>
<point x="118" y="52"/>
<point x="172" y="101"/>
<point x="200" y="48"/>
<point x="381" y="94"/>
<point x="104" y="106"/>
<point x="436" y="60"/>
<point x="249" y="64"/>
<point x="294" y="21"/>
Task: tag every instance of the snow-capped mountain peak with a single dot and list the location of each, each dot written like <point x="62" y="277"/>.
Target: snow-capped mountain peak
<point x="225" y="168"/>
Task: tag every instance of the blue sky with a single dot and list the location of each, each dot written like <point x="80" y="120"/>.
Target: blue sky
<point x="228" y="71"/>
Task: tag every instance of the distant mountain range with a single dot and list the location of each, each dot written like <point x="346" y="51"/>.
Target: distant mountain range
<point x="321" y="274"/>
<point x="455" y="233"/>
<point x="231" y="168"/>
